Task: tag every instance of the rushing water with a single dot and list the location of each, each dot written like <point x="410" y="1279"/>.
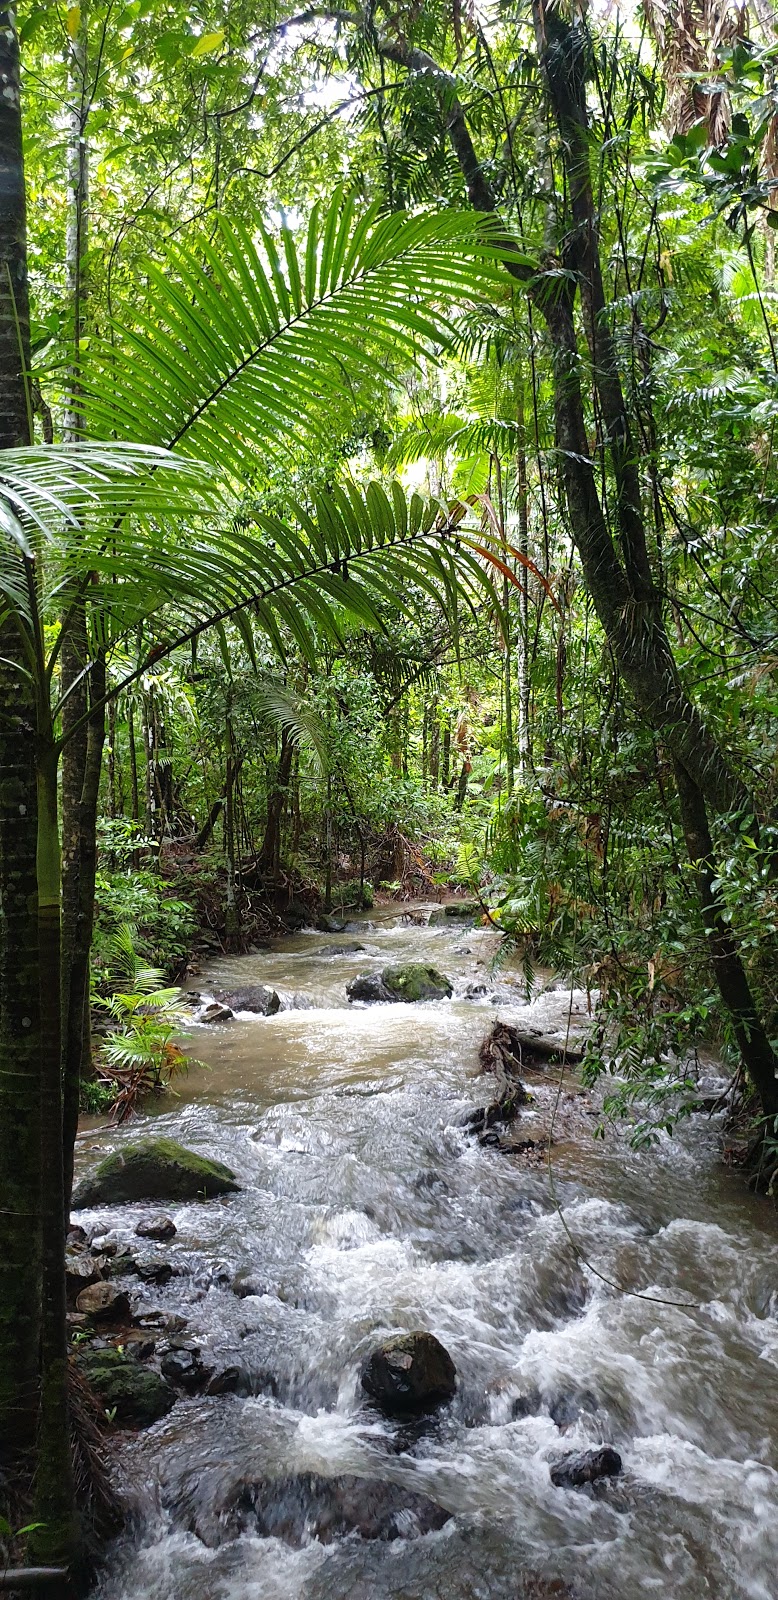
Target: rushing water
<point x="366" y="1210"/>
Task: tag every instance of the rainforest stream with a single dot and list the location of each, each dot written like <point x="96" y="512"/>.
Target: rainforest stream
<point x="366" y="1209"/>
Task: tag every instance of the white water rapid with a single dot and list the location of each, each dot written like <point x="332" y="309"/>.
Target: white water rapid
<point x="366" y="1210"/>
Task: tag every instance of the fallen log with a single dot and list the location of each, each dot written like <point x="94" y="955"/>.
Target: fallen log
<point x="507" y="1050"/>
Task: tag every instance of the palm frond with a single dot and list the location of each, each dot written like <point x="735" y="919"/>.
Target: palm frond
<point x="355" y="554"/>
<point x="248" y="343"/>
<point x="301" y="723"/>
<point x="47" y="490"/>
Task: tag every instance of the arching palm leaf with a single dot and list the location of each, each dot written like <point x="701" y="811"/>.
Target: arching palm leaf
<point x="355" y="552"/>
<point x="248" y="344"/>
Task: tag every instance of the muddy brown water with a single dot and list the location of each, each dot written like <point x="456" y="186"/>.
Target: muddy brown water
<point x="366" y="1210"/>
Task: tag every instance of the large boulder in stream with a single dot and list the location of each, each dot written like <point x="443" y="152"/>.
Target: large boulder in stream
<point x="581" y="1467"/>
<point x="308" y="1506"/>
<point x="408" y="1374"/>
<point x="369" y="988"/>
<point x="412" y="982"/>
<point x="457" y="911"/>
<point x="134" y="1395"/>
<point x="254" y="997"/>
<point x="157" y="1169"/>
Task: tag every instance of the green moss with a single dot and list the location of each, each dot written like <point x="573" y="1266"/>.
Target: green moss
<point x="415" y="981"/>
<point x="158" y="1169"/>
<point x="133" y="1394"/>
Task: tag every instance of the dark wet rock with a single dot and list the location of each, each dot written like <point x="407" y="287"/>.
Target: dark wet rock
<point x="411" y="1372"/>
<point x="525" y="1405"/>
<point x="297" y="1002"/>
<point x="476" y="991"/>
<point x="296" y="915"/>
<point x="82" y="1268"/>
<point x="135" y="1395"/>
<point x="185" y="1369"/>
<point x="308" y="1506"/>
<point x="169" y="1321"/>
<point x="216" y="1012"/>
<point x="231" y="1380"/>
<point x="565" y="1409"/>
<point x="159" y="1227"/>
<point x="256" y="997"/>
<point x="575" y="1470"/>
<point x="412" y="982"/>
<point x="457" y="911"/>
<point x="138" y="1343"/>
<point x="158" y="1169"/>
<point x="159" y="1272"/>
<point x="241" y="1381"/>
<point x="329" y="925"/>
<point x="76" y="1235"/>
<point x="353" y="948"/>
<point x="430" y="1182"/>
<point x="369" y="988"/>
<point x="246" y="1283"/>
<point x="103" y="1302"/>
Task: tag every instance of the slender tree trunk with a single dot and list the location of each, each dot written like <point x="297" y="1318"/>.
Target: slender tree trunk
<point x="210" y="823"/>
<point x="445" y="770"/>
<point x="464" y="779"/>
<point x="328" y="847"/>
<point x="148" y="762"/>
<point x="232" y="909"/>
<point x="524" y="739"/>
<point x="434" y="758"/>
<point x="133" y="760"/>
<point x="20" y="1027"/>
<point x="270" y="853"/>
<point x="508" y="640"/>
<point x="77" y="1033"/>
<point x="55" y="1540"/>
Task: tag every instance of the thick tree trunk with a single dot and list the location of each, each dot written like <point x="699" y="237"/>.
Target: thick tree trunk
<point x="20" y="1040"/>
<point x="758" y="1056"/>
<point x="20" y="1164"/>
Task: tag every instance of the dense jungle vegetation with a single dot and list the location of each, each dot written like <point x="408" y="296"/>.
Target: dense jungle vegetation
<point x="388" y="494"/>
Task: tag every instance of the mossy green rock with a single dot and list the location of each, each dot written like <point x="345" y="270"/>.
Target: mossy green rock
<point x="158" y="1169"/>
<point x="415" y="981"/>
<point x="135" y="1395"/>
<point x="457" y="911"/>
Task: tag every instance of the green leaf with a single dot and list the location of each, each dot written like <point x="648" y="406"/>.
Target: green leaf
<point x="208" y="44"/>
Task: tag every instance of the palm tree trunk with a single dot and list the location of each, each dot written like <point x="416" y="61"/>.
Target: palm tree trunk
<point x="20" y="1038"/>
<point x="20" y="1157"/>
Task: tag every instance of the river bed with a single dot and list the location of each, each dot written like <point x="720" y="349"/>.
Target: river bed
<point x="366" y="1210"/>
